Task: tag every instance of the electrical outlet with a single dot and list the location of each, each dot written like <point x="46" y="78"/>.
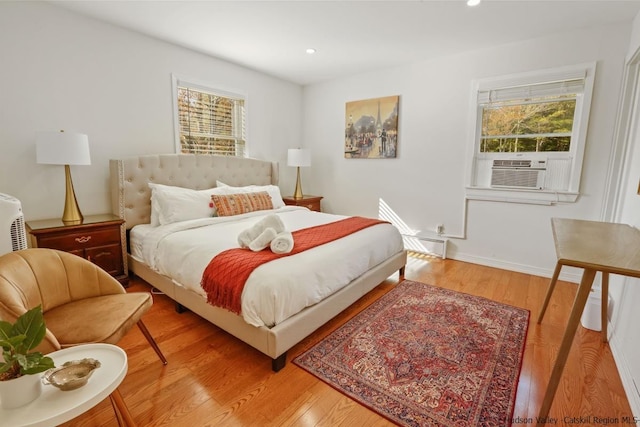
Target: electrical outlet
<point x="440" y="229"/>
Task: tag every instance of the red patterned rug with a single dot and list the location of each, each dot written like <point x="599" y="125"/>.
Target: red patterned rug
<point x="427" y="356"/>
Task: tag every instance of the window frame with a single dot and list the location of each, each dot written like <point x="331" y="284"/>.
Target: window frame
<point x="180" y="81"/>
<point x="575" y="155"/>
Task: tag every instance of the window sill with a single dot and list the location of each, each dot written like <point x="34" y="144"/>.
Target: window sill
<point x="536" y="197"/>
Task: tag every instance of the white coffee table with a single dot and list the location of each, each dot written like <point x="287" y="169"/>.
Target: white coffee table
<point x="54" y="406"/>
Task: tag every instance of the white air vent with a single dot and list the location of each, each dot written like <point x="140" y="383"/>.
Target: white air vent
<point x="520" y="173"/>
<point x="13" y="236"/>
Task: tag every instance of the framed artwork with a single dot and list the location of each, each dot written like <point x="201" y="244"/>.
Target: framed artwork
<point x="371" y="128"/>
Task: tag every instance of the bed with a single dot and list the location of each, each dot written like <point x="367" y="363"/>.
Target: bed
<point x="273" y="336"/>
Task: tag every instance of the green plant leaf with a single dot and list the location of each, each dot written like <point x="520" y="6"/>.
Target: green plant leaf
<point x="35" y="363"/>
<point x="4" y="367"/>
<point x="32" y="325"/>
<point x="12" y="342"/>
<point x="5" y="328"/>
<point x="17" y="340"/>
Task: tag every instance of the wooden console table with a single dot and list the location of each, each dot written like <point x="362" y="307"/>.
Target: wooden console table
<point x="593" y="246"/>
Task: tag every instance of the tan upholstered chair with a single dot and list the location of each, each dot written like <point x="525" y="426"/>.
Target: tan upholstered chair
<point x="81" y="302"/>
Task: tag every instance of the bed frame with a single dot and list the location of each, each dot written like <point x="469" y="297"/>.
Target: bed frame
<point x="131" y="200"/>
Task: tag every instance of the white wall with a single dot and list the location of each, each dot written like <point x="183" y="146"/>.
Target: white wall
<point x="60" y="70"/>
<point x="625" y="292"/>
<point x="424" y="185"/>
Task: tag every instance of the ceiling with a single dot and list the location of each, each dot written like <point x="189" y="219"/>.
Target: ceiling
<point x="350" y="37"/>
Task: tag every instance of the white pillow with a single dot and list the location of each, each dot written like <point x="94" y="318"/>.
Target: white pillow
<point x="273" y="190"/>
<point x="155" y="207"/>
<point x="172" y="204"/>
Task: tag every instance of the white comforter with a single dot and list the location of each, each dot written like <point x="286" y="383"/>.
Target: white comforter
<point x="278" y="289"/>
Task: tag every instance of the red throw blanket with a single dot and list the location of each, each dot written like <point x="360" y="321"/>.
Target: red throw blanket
<point x="224" y="278"/>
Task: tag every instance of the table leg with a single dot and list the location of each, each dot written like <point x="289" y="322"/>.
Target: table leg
<point x="574" y="319"/>
<point x="552" y="286"/>
<point x="604" y="319"/>
<point x="122" y="412"/>
<point x="115" y="411"/>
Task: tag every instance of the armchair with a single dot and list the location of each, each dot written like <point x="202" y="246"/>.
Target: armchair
<point x="81" y="302"/>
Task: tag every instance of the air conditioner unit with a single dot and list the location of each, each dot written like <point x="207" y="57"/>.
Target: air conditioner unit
<point x="518" y="173"/>
<point x="13" y="236"/>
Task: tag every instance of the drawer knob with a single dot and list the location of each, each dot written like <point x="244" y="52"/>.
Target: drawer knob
<point x="83" y="239"/>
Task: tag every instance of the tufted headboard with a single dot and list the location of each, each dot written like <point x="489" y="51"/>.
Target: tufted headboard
<point x="129" y="178"/>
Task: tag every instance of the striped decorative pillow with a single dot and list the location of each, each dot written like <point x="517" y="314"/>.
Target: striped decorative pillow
<point x="239" y="203"/>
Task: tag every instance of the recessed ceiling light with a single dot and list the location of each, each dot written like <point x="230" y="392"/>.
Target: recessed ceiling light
<point x="311" y="51"/>
<point x="473" y="2"/>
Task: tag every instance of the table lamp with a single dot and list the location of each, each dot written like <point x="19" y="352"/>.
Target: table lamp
<point x="64" y="148"/>
<point x="298" y="157"/>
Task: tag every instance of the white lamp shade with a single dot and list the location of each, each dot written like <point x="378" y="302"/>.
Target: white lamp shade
<point x="298" y="157"/>
<point x="62" y="148"/>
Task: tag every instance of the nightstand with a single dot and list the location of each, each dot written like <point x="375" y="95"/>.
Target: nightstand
<point x="308" y="201"/>
<point x="97" y="239"/>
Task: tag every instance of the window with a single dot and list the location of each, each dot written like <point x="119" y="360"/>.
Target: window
<point x="208" y="121"/>
<point x="528" y="125"/>
<point x="529" y="135"/>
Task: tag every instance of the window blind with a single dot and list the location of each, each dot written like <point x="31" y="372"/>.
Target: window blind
<point x="211" y="123"/>
<point x="531" y="91"/>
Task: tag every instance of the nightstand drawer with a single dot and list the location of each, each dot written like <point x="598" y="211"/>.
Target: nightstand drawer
<point x="109" y="257"/>
<point x="315" y="206"/>
<point x="81" y="240"/>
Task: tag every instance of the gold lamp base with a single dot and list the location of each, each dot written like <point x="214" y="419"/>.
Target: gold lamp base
<point x="298" y="193"/>
<point x="71" y="214"/>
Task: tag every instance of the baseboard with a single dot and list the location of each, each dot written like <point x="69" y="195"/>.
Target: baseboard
<point x="567" y="276"/>
<point x="625" y="375"/>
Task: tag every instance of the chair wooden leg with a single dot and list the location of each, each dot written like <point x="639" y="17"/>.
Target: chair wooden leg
<point x="153" y="343"/>
<point x="122" y="412"/>
<point x="121" y="422"/>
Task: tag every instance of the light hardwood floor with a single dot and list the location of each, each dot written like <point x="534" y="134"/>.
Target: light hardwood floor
<point x="213" y="379"/>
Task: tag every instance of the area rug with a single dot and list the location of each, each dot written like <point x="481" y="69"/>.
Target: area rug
<point x="427" y="356"/>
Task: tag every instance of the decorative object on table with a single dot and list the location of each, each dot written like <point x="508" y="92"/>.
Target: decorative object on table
<point x="424" y="355"/>
<point x="19" y="383"/>
<point x="64" y="148"/>
<point x="71" y="375"/>
<point x="298" y="157"/>
<point x="371" y="128"/>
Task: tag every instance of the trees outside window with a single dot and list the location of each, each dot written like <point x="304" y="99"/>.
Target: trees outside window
<point x="208" y="121"/>
<point x="529" y="125"/>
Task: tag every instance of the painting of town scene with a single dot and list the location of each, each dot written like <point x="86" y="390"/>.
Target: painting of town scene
<point x="371" y="130"/>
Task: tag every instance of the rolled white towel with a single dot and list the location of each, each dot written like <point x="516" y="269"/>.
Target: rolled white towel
<point x="249" y="235"/>
<point x="282" y="243"/>
<point x="263" y="240"/>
